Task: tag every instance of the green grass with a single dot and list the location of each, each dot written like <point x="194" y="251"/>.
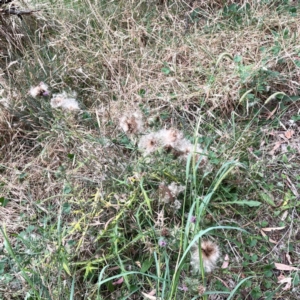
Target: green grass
<point x="83" y="214"/>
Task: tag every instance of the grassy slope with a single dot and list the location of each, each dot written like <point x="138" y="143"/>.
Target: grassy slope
<point x="82" y="205"/>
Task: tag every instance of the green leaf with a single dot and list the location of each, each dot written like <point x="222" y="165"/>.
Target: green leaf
<point x="166" y="70"/>
<point x="66" y="208"/>
<point x="72" y="288"/>
<point x="297" y="63"/>
<point x="30" y="228"/>
<point x="268" y="284"/>
<point x="250" y="203"/>
<point x="22" y="176"/>
<point x="2" y="267"/>
<point x="268" y="274"/>
<point x="256" y="292"/>
<point x="251" y="242"/>
<point x="264" y="223"/>
<point x="254" y="258"/>
<point x="146" y="265"/>
<point x="66" y="267"/>
<point x="237" y="59"/>
<point x="285" y="159"/>
<point x="6" y="278"/>
<point x="291" y="98"/>
<point x="86" y="116"/>
<point x="67" y="189"/>
<point x="296" y="280"/>
<point x="3" y="201"/>
<point x="71" y="156"/>
<point x="296" y="118"/>
<point x="142" y="92"/>
<point x="267" y="198"/>
<point x="89" y="269"/>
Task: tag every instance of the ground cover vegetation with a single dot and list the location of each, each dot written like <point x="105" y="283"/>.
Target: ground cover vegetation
<point x="149" y="149"/>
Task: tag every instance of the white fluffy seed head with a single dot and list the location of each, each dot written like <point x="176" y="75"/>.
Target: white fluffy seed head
<point x="132" y="123"/>
<point x="173" y="141"/>
<point x="210" y="255"/>
<point x="42" y="89"/>
<point x="149" y="143"/>
<point x="185" y="148"/>
<point x="70" y="104"/>
<point x="177" y="204"/>
<point x="62" y="100"/>
<point x="169" y="137"/>
<point x="169" y="193"/>
<point x="34" y="91"/>
<point x="164" y="138"/>
<point x="175" y="188"/>
<point x="56" y="100"/>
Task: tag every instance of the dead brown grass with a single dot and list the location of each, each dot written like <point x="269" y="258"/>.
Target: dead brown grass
<point x="109" y="73"/>
<point x="124" y="62"/>
<point x="127" y="64"/>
